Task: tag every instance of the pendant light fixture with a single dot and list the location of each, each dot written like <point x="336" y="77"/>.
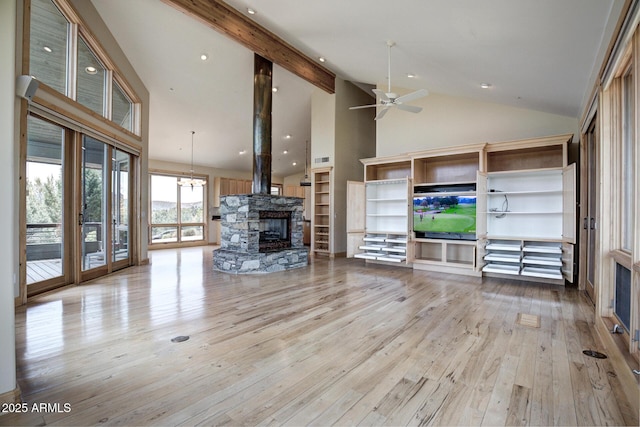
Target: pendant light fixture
<point x="191" y="181"/>
<point x="306" y="182"/>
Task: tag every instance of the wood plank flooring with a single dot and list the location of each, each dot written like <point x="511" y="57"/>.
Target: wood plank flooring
<point x="43" y="270"/>
<point x="337" y="343"/>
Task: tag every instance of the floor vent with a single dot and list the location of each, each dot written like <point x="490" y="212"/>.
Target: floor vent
<point x="530" y="320"/>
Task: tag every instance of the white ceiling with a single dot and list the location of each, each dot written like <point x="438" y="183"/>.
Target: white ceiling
<point x="536" y="54"/>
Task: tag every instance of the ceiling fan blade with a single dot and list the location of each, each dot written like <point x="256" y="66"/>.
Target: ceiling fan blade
<point x="357" y="107"/>
<point x="413" y="95"/>
<point x="382" y="113"/>
<point x="381" y="94"/>
<point x="411" y="108"/>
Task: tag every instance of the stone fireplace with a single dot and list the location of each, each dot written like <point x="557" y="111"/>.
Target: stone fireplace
<point x="260" y="233"/>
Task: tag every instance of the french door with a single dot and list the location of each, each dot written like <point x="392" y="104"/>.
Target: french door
<point x="105" y="209"/>
<point x="77" y="207"/>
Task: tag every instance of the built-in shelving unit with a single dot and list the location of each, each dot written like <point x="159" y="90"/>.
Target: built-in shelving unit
<point x="525" y="208"/>
<point x="525" y="204"/>
<point x="321" y="217"/>
<point x="387" y="209"/>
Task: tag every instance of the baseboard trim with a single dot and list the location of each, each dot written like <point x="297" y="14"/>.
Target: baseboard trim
<point x="144" y="261"/>
<point x="13" y="396"/>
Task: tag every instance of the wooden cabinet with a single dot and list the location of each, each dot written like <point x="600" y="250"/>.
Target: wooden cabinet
<point x="229" y="186"/>
<point x="321" y="184"/>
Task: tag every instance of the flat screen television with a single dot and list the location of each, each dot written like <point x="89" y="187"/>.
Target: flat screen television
<point x="445" y="216"/>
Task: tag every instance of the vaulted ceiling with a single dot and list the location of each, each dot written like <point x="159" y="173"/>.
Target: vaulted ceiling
<point x="535" y="54"/>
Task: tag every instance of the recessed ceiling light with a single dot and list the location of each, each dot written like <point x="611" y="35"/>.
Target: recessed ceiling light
<point x="285" y="152"/>
<point x="91" y="70"/>
<point x="294" y="164"/>
<point x="241" y="152"/>
<point x="274" y="89"/>
<point x="485" y="85"/>
<point x="321" y="59"/>
<point x="47" y="49"/>
<point x="204" y="57"/>
<point x="287" y="136"/>
<point x="251" y="11"/>
<point x="411" y="76"/>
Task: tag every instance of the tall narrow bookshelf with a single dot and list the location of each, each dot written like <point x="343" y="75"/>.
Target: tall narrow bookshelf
<point x="321" y="217"/>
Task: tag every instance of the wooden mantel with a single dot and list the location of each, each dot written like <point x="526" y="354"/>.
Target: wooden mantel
<point x="225" y="19"/>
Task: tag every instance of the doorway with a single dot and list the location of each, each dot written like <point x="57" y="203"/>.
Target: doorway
<point x="77" y="207"/>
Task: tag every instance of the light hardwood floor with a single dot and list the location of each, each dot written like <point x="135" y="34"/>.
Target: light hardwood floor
<point x="335" y="343"/>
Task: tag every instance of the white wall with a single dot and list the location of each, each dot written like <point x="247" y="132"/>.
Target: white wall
<point x="9" y="195"/>
<point x="448" y="121"/>
<point x="323" y="127"/>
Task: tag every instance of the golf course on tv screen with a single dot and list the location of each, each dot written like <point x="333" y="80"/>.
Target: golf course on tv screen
<point x="444" y="214"/>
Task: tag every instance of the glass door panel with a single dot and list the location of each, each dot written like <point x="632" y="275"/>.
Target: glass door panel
<point x="44" y="201"/>
<point x="94" y="207"/>
<point x="120" y="206"/>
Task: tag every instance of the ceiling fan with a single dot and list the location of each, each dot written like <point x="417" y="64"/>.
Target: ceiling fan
<point x="390" y="99"/>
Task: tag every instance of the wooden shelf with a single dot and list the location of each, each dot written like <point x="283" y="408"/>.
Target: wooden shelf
<point x="322" y="210"/>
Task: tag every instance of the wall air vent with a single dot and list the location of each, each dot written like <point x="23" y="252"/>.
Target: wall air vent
<point x="321" y="160"/>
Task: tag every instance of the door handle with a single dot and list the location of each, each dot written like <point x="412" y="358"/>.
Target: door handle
<point x="585" y="223"/>
<point x="80" y="219"/>
<point x="593" y="223"/>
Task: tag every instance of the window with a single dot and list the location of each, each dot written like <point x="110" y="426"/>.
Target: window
<point x="177" y="212"/>
<point x="91" y="79"/>
<point x="75" y="65"/>
<point x="121" y="107"/>
<point x="48" y="49"/>
<point x="626" y="179"/>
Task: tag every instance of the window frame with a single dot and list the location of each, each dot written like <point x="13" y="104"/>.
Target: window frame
<point x="179" y="225"/>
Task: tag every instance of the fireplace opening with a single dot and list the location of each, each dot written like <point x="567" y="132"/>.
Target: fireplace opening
<point x="275" y="230"/>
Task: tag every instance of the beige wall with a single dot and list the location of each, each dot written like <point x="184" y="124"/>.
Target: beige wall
<point x="448" y="121"/>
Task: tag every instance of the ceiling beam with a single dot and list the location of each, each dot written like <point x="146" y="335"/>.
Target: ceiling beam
<point x="227" y="20"/>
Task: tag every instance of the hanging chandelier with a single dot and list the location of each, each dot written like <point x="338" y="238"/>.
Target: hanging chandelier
<point x="191" y="181"/>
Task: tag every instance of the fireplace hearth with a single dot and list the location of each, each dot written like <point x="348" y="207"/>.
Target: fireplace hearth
<point x="260" y="233"/>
